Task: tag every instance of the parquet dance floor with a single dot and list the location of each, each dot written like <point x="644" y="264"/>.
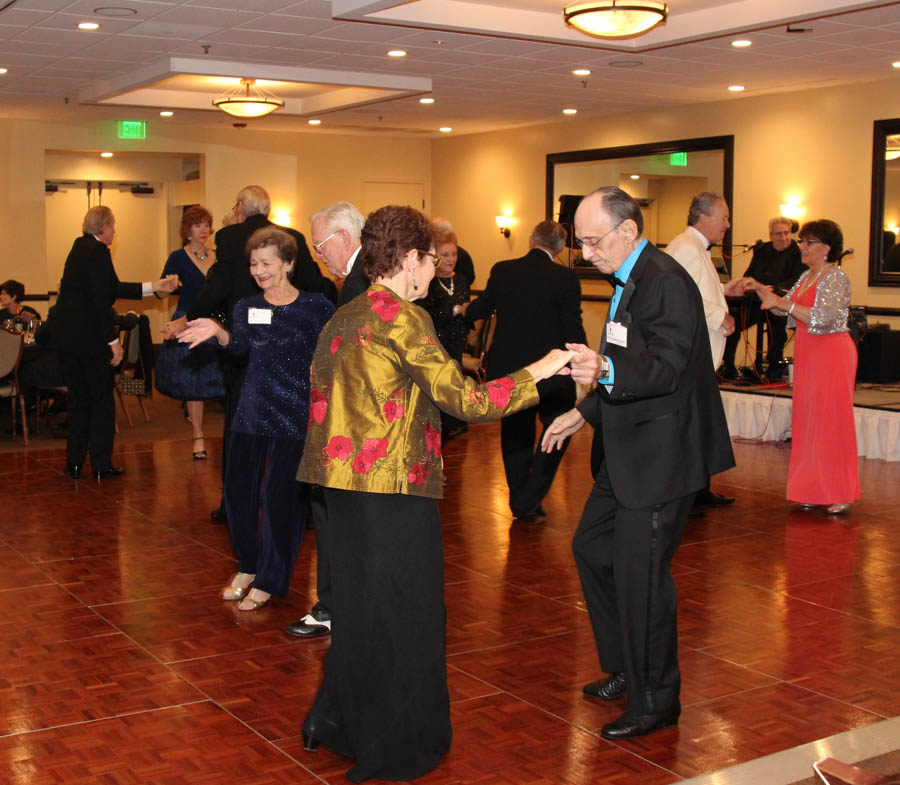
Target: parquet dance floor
<point x="120" y="665"/>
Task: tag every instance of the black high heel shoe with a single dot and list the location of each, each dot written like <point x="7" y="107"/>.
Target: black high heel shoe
<point x="309" y="742"/>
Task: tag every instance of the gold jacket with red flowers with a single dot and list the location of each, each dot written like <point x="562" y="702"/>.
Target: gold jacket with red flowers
<point x="372" y="423"/>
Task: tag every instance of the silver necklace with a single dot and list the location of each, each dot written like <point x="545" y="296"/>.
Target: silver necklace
<point x="198" y="255"/>
<point x="449" y="289"/>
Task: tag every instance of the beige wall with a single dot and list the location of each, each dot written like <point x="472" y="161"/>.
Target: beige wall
<point x="816" y="145"/>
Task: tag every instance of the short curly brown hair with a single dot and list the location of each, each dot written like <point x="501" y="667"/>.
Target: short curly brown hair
<point x="193" y="215"/>
<point x="388" y="235"/>
<point x="285" y="245"/>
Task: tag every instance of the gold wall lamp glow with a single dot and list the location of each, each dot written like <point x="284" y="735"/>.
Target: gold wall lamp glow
<point x="615" y="18"/>
<point x="248" y="100"/>
<point x="504" y="222"/>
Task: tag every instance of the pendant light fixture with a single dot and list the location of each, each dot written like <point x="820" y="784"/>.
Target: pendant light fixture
<point x="248" y="100"/>
<point x="615" y="18"/>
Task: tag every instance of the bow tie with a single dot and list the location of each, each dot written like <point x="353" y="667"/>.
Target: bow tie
<point x="611" y="277"/>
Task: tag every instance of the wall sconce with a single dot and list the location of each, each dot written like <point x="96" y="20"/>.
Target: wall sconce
<point x="792" y="209"/>
<point x="504" y="222"/>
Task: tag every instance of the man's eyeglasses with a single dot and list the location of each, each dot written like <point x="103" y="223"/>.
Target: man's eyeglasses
<point x="435" y="259"/>
<point x="593" y="242"/>
<point x="318" y="246"/>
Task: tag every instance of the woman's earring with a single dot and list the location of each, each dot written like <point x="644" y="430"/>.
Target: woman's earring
<point x="414" y="281"/>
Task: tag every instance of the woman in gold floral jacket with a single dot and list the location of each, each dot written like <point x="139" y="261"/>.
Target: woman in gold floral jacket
<point x="374" y="444"/>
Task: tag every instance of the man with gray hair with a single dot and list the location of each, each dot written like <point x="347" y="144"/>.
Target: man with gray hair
<point x="538" y="307"/>
<point x="659" y="431"/>
<point x="335" y="232"/>
<point x="777" y="264"/>
<point x="707" y="223"/>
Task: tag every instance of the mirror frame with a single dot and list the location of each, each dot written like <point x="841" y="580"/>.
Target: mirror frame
<point x="877" y="276"/>
<point x="723" y="143"/>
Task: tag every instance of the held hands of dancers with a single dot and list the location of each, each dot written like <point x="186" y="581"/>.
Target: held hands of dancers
<point x="553" y="363"/>
<point x="166" y="285"/>
<point x="200" y="330"/>
<point x="173" y="328"/>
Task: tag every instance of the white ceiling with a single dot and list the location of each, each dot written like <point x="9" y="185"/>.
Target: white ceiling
<point x="492" y="69"/>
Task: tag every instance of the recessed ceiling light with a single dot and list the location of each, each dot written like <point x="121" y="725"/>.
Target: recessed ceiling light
<point x="736" y="88"/>
<point x="106" y="155"/>
<point x="396" y="53"/>
<point x="438" y="42"/>
<point x="88" y="25"/>
<point x="896" y="65"/>
<point x="446" y="129"/>
<point x="4" y="71"/>
<point x="166" y="113"/>
<point x="741" y="43"/>
<point x="582" y="72"/>
<point x="570" y="111"/>
<point x="635" y="177"/>
<point x="426" y="100"/>
<point x="314" y="122"/>
<point x="112" y="10"/>
<point x="625" y="63"/>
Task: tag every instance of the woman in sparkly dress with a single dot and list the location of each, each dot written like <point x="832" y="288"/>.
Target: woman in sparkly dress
<point x="824" y="469"/>
<point x="277" y="330"/>
<point x="446" y="303"/>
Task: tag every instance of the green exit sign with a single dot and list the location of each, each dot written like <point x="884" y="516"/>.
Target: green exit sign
<point x="675" y="159"/>
<point x="132" y="129"/>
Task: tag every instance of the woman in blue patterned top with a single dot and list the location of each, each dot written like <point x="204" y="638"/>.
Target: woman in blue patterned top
<point x="191" y="263"/>
<point x="277" y="331"/>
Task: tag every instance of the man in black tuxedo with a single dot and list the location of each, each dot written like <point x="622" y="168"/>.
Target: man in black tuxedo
<point x="538" y="307"/>
<point x="85" y="334"/>
<point x="229" y="280"/>
<point x="335" y="232"/>
<point x="659" y="432"/>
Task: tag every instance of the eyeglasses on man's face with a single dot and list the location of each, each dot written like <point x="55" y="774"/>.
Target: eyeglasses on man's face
<point x="318" y="246"/>
<point x="593" y="242"/>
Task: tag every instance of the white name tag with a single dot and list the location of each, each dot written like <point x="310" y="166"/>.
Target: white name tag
<point x="259" y="316"/>
<point x="617" y="334"/>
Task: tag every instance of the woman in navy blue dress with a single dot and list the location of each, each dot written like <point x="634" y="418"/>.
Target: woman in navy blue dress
<point x="190" y="264"/>
<point x="277" y="331"/>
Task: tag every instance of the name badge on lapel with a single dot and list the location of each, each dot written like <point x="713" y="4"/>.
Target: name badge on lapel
<point x="617" y="334"/>
<point x="259" y="316"/>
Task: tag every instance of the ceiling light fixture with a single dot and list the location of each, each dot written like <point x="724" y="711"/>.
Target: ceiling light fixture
<point x="635" y="177"/>
<point x="4" y="70"/>
<point x="314" y="122"/>
<point x="248" y="100"/>
<point x="111" y="10"/>
<point x="625" y="63"/>
<point x="88" y="25"/>
<point x="426" y="100"/>
<point x="570" y="111"/>
<point x="615" y="18"/>
<point x="741" y="43"/>
<point x="106" y="155"/>
<point x="582" y="72"/>
<point x="736" y="88"/>
<point x="166" y="113"/>
<point x="896" y="64"/>
<point x="396" y="53"/>
<point x="445" y="129"/>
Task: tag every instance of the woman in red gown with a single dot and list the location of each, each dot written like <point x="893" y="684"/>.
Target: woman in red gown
<point x="823" y="469"/>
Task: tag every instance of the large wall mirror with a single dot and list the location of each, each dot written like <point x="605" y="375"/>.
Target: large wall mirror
<point x="884" y="249"/>
<point x="662" y="176"/>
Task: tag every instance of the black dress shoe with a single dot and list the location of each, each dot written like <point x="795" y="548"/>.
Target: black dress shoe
<point x="314" y="624"/>
<point x="710" y="499"/>
<point x="112" y="471"/>
<point x="628" y="726"/>
<point x="218" y="515"/>
<point x="72" y="471"/>
<point x="309" y="742"/>
<point x="606" y="689"/>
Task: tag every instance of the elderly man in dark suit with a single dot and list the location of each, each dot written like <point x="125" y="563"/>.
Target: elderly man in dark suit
<point x="335" y="232"/>
<point x="87" y="339"/>
<point x="538" y="307"/>
<point x="229" y="280"/>
<point x="659" y="432"/>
